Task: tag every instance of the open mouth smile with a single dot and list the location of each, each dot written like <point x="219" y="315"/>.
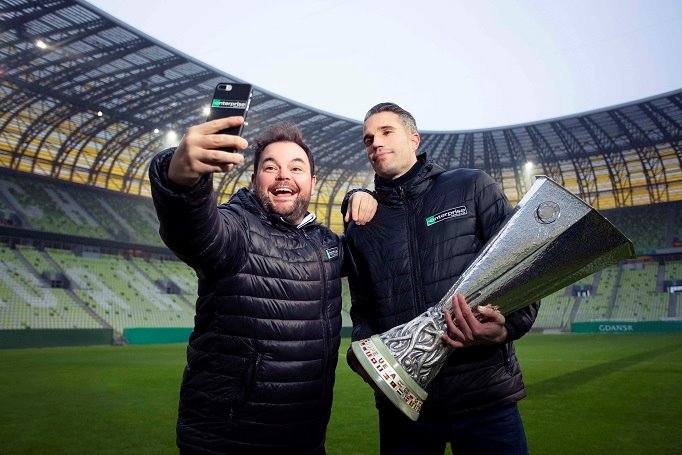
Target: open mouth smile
<point x="283" y="192"/>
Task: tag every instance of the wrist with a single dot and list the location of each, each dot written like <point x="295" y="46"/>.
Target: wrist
<point x="504" y="335"/>
<point x="183" y="181"/>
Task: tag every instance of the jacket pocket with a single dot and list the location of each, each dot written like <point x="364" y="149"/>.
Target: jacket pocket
<point x="247" y="381"/>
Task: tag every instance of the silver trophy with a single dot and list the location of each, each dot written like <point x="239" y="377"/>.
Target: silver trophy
<point x="552" y="239"/>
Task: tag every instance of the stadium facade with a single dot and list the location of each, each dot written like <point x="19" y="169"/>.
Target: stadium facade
<point x="86" y="101"/>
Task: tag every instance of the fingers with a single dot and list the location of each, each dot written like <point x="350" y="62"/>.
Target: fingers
<point x="207" y="135"/>
<point x="357" y="210"/>
<point x="351" y="359"/>
<point x="464" y="319"/>
<point x="453" y="330"/>
<point x="187" y="166"/>
<point x="355" y="365"/>
<point x="368" y="209"/>
<point x="459" y="333"/>
<point x="219" y="141"/>
<point x="353" y="208"/>
<point x="464" y="329"/>
<point x="218" y="158"/>
<point x="199" y="151"/>
<point x="467" y="327"/>
<point x="491" y="314"/>
<point x="453" y="334"/>
<point x="361" y="208"/>
<point x="493" y="329"/>
<point x="205" y="138"/>
<point x="216" y="125"/>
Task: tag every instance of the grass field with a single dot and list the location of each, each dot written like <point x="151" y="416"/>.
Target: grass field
<point x="587" y="394"/>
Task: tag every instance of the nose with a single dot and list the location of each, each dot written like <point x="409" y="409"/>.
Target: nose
<point x="283" y="174"/>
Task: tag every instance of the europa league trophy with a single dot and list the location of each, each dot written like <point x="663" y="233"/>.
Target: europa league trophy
<point x="552" y="240"/>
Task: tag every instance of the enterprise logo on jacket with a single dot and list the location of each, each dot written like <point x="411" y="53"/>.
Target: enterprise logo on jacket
<point x="446" y="215"/>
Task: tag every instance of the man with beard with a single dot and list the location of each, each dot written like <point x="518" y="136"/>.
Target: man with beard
<point x="262" y="355"/>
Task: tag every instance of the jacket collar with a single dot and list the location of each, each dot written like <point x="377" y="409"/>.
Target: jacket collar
<point x="412" y="188"/>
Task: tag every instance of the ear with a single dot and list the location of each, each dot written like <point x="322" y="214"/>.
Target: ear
<point x="313" y="182"/>
<point x="253" y="180"/>
<point x="415" y="140"/>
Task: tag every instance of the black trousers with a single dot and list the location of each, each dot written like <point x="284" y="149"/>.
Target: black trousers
<point x="497" y="432"/>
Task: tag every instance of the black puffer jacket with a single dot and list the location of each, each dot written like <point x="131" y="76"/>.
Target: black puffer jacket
<point x="406" y="262"/>
<point x="261" y="358"/>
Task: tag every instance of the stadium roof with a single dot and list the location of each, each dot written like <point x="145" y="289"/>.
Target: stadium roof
<point x="88" y="99"/>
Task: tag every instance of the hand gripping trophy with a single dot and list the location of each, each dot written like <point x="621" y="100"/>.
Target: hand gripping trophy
<point x="551" y="240"/>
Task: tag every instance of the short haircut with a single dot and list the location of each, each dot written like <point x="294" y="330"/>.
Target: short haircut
<point x="281" y="132"/>
<point x="405" y="117"/>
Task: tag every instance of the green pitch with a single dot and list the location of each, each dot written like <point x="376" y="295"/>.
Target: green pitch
<point x="587" y="394"/>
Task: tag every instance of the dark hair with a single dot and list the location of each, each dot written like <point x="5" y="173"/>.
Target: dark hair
<point x="405" y="117"/>
<point x="281" y="132"/>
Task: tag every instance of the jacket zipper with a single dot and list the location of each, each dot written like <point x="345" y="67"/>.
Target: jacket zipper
<point x="326" y="329"/>
<point x="508" y="365"/>
<point x="415" y="267"/>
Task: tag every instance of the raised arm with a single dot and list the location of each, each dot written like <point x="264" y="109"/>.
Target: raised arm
<point x="191" y="224"/>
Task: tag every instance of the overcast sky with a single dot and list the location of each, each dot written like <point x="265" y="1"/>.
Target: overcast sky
<point x="456" y="65"/>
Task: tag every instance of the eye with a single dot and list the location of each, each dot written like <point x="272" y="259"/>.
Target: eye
<point x="368" y="141"/>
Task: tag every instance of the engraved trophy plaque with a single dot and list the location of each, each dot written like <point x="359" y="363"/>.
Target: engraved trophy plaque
<point x="551" y="240"/>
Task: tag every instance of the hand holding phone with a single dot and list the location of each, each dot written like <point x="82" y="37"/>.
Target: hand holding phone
<point x="193" y="157"/>
<point x="230" y="99"/>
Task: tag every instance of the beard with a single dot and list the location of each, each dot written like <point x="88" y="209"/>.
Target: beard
<point x="292" y="212"/>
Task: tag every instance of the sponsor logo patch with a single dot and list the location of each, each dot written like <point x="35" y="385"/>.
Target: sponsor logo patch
<point x="448" y="214"/>
<point x="332" y="253"/>
<point x="228" y="104"/>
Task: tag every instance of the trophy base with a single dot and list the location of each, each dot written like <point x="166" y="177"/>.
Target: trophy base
<point x="390" y="376"/>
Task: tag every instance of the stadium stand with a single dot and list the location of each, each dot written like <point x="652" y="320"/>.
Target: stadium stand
<point x="648" y="235"/>
<point x="27" y="301"/>
<point x="110" y="287"/>
<point x="82" y="114"/>
<point x="120" y="293"/>
<point x="51" y="205"/>
<point x="556" y="311"/>
<point x="637" y="296"/>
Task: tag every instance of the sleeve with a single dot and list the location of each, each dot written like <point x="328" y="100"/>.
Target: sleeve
<point x="209" y="240"/>
<point x="492" y="206"/>
<point x="519" y="322"/>
<point x="362" y="311"/>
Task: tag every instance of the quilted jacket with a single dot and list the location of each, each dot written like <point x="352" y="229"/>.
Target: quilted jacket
<point x="425" y="233"/>
<point x="261" y="357"/>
